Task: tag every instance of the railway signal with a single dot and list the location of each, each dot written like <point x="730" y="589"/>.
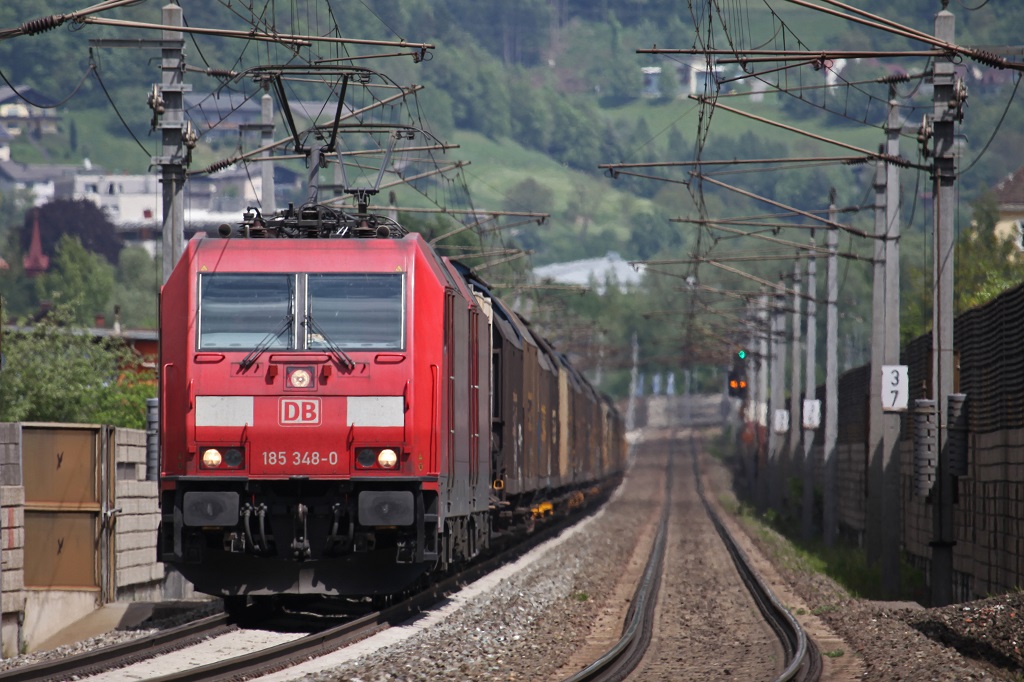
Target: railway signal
<point x="737" y="385"/>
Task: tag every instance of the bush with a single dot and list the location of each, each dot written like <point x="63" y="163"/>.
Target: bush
<point x="55" y="372"/>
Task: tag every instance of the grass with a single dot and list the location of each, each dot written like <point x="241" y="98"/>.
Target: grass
<point x="497" y="165"/>
<point x="848" y="566"/>
<point x="781" y="534"/>
<point x="662" y="115"/>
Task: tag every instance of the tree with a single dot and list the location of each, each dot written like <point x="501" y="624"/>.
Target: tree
<point x="135" y="293"/>
<point x="653" y="234"/>
<point x="60" y="373"/>
<point x="19" y="297"/>
<point x="986" y="266"/>
<point x="584" y="203"/>
<point x="78" y="278"/>
<point x="79" y="217"/>
<point x="529" y="195"/>
<point x="532" y="123"/>
<point x="491" y="111"/>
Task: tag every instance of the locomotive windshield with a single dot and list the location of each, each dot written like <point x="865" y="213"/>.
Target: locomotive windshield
<point x="357" y="311"/>
<point x="243" y="311"/>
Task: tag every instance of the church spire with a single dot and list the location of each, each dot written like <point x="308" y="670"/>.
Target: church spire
<point x="36" y="262"/>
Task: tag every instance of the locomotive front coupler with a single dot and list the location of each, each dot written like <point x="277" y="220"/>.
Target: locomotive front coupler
<point x="300" y="543"/>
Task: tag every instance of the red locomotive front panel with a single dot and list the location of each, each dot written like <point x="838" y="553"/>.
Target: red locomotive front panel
<point x="301" y="433"/>
<point x="296" y="413"/>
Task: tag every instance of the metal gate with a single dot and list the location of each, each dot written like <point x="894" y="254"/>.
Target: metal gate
<point x="66" y="541"/>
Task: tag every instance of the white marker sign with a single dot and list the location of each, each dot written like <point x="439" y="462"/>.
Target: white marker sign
<point x="895" y="388"/>
<point x="780" y="422"/>
<point x="812" y="414"/>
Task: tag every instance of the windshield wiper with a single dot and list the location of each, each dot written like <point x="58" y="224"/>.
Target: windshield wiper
<point x="250" y="359"/>
<point x="339" y="353"/>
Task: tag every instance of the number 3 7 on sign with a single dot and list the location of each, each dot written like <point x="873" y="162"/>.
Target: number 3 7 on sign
<point x="895" y="388"/>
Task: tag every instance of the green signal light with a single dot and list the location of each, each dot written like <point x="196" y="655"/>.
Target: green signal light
<point x="741" y="354"/>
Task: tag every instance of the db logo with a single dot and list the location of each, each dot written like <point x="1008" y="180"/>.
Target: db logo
<point x="304" y="412"/>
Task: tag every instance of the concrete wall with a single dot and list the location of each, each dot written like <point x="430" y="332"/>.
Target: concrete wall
<point x="852" y="487"/>
<point x="988" y="515"/>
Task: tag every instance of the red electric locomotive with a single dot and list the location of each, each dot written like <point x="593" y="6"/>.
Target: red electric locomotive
<point x="321" y="404"/>
<point x="328" y="421"/>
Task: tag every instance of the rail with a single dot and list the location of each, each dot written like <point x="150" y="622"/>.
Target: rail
<point x="118" y="655"/>
<point x="803" y="661"/>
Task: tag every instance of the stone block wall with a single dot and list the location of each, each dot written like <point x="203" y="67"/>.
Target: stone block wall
<point x="12" y="568"/>
<point x="12" y="540"/>
<point x="137" y="573"/>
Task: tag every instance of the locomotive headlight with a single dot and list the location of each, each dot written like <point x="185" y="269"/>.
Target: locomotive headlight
<point x="212" y="458"/>
<point x="223" y="458"/>
<point x="387" y="458"/>
<point x="377" y="458"/>
<point x="365" y="457"/>
<point x="233" y="458"/>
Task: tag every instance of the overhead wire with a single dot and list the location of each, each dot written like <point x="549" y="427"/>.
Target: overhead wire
<point x="103" y="87"/>
<point x="42" y="105"/>
<point x="736" y="35"/>
<point x="995" y="131"/>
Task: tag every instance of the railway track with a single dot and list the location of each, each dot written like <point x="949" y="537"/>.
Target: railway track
<point x="802" y="659"/>
<point x="126" y="653"/>
<point x="279" y="656"/>
<point x="618" y="661"/>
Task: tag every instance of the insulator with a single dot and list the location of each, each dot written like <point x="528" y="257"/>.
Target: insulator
<point x="41" y="25"/>
<point x="895" y="78"/>
<point x="988" y="59"/>
<point x="189" y="135"/>
<point x="156" y="100"/>
<point x="926" y="450"/>
<point x="218" y="166"/>
<point x="923" y="134"/>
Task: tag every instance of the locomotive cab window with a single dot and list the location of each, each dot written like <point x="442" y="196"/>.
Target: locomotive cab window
<point x="356" y="311"/>
<point x="243" y="311"/>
